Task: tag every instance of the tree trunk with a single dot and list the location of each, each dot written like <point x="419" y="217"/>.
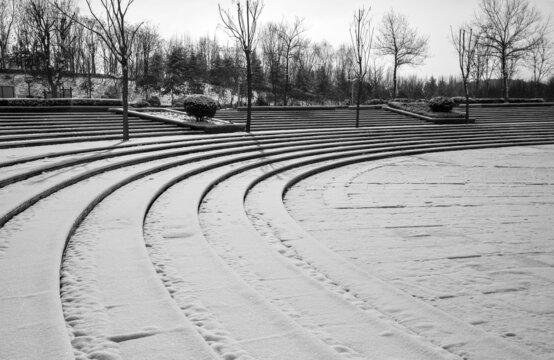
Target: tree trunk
<point x="93" y="63"/>
<point x="504" y="80"/>
<point x="249" y="90"/>
<point x="51" y="82"/>
<point x="125" y="98"/>
<point x="394" y="81"/>
<point x="286" y="81"/>
<point x="2" y="57"/>
<point x="358" y="98"/>
<point x="89" y="78"/>
<point x="54" y="89"/>
<point x="467" y="99"/>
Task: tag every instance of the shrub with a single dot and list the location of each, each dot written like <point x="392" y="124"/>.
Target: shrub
<point x="154" y="101"/>
<point x="401" y="100"/>
<point x="178" y="102"/>
<point x="140" y="104"/>
<point x="111" y="92"/>
<point x="441" y="104"/>
<point x="261" y="101"/>
<point x="200" y="106"/>
<point x="462" y="100"/>
<point x="59" y="102"/>
<point x="375" y="102"/>
<point x="525" y="100"/>
<point x="422" y="108"/>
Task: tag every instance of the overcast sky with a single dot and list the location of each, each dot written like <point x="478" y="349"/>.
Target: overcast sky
<point x="326" y="20"/>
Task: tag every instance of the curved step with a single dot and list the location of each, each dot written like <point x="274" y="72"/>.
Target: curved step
<point x="208" y="165"/>
<point x="266" y="211"/>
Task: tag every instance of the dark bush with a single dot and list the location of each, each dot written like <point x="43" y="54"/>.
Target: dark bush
<point x="261" y="101"/>
<point x="422" y="108"/>
<point x="140" y="104"/>
<point x="59" y="102"/>
<point x="200" y="106"/>
<point x="462" y="100"/>
<point x="401" y="100"/>
<point x="525" y="100"/>
<point x="111" y="92"/>
<point x="441" y="104"/>
<point x="375" y="102"/>
<point x="154" y="101"/>
<point x="178" y="102"/>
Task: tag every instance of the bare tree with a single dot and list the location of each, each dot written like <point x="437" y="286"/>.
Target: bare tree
<point x="343" y="69"/>
<point x="361" y="35"/>
<point x="397" y="39"/>
<point x="118" y="36"/>
<point x="7" y="18"/>
<point x="484" y="65"/>
<point x="272" y="49"/>
<point x="146" y="44"/>
<point x="90" y="42"/>
<point x="292" y="41"/>
<point x="376" y="77"/>
<point x="242" y="27"/>
<point x="540" y="61"/>
<point x="511" y="28"/>
<point x="52" y="29"/>
<point x="465" y="43"/>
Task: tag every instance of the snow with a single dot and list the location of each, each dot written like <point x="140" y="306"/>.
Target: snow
<point x="100" y="308"/>
<point x="437" y="256"/>
<point x="472" y="237"/>
<point x="181" y="116"/>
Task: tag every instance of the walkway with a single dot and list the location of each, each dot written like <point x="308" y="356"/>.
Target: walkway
<point x="469" y="232"/>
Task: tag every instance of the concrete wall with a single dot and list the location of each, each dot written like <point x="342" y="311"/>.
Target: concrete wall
<point x="100" y="88"/>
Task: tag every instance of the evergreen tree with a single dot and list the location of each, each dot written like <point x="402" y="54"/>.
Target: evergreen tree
<point x="323" y="83"/>
<point x="430" y="88"/>
<point x="175" y="67"/>
<point x="258" y="78"/>
<point x="153" y="80"/>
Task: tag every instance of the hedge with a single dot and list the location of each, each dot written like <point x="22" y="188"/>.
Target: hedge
<point x="462" y="100"/>
<point x="59" y="102"/>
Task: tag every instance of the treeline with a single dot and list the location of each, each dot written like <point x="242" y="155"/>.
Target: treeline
<point x="287" y="67"/>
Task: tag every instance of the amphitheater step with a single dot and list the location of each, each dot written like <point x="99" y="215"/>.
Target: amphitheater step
<point x="158" y="254"/>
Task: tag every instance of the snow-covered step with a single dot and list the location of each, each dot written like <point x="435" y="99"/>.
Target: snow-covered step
<point x="335" y="317"/>
<point x="297" y="147"/>
<point x="266" y="211"/>
<point x="222" y="301"/>
<point x="112" y="295"/>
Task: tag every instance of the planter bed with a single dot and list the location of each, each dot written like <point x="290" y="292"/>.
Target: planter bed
<point x="417" y="111"/>
<point x="291" y="108"/>
<point x="212" y="126"/>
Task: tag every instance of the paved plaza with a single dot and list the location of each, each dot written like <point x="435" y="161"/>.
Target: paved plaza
<point x="408" y="242"/>
<point x="469" y="232"/>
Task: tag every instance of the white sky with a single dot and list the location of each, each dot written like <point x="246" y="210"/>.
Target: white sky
<point x="326" y="20"/>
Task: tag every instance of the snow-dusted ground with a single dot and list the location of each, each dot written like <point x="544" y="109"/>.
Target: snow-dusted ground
<point x="181" y="116"/>
<point x="439" y="256"/>
<point x="469" y="232"/>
